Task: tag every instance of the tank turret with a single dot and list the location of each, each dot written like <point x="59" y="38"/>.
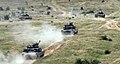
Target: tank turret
<point x="69" y="29"/>
<point x="24" y="16"/>
<point x="100" y="13"/>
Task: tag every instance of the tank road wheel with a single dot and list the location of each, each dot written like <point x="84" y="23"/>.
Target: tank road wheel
<point x="40" y="54"/>
<point x="75" y="31"/>
<point x="103" y="16"/>
<point x="96" y="16"/>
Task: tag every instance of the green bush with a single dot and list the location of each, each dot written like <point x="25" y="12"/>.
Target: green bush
<point x="85" y="61"/>
<point x="7" y="8"/>
<point x="13" y="13"/>
<point x="21" y="8"/>
<point x="6" y="17"/>
<point x="1" y="9"/>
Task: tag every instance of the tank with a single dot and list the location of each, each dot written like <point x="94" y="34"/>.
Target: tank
<point x="33" y="51"/>
<point x="25" y="16"/>
<point x="100" y="13"/>
<point x="69" y="29"/>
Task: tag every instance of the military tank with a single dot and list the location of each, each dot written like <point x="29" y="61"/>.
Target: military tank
<point x="33" y="51"/>
<point x="100" y="13"/>
<point x="25" y="16"/>
<point x="69" y="29"/>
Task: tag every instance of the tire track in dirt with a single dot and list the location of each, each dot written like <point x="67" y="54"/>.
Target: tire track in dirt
<point x="111" y="25"/>
<point x="115" y="61"/>
<point x="48" y="51"/>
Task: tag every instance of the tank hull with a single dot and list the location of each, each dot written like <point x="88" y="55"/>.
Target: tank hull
<point x="70" y="32"/>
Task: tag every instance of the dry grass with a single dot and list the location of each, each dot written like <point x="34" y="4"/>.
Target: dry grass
<point x="84" y="45"/>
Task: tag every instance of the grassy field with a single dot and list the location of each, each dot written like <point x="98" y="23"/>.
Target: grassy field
<point x="85" y="45"/>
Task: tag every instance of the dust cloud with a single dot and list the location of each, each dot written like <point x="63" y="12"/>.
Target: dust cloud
<point x="46" y="33"/>
<point x="12" y="58"/>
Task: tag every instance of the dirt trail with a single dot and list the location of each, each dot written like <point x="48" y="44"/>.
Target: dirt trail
<point x="101" y="19"/>
<point x="111" y="25"/>
<point x="49" y="50"/>
<point x="58" y="8"/>
<point x="115" y="61"/>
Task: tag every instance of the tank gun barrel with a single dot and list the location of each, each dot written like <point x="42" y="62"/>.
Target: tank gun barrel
<point x="39" y="41"/>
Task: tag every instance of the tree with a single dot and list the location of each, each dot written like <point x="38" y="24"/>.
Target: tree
<point x="13" y="13"/>
<point x="85" y="61"/>
<point x="21" y="8"/>
<point x="26" y="2"/>
<point x="6" y="17"/>
<point x="1" y="9"/>
<point x="7" y="8"/>
<point x="95" y="62"/>
<point x="107" y="52"/>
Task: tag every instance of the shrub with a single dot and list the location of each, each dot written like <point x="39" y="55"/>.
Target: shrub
<point x="48" y="13"/>
<point x="1" y="9"/>
<point x="21" y="8"/>
<point x="26" y="2"/>
<point x="95" y="62"/>
<point x="48" y="8"/>
<point x="107" y="51"/>
<point x="85" y="61"/>
<point x="7" y="8"/>
<point x="6" y="17"/>
<point x="78" y="61"/>
<point x="13" y="13"/>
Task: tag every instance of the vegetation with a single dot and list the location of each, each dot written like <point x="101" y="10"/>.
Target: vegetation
<point x="6" y="17"/>
<point x="86" y="45"/>
<point x="7" y="8"/>
<point x="85" y="61"/>
<point x="107" y="52"/>
<point x="1" y="9"/>
<point x="21" y="8"/>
